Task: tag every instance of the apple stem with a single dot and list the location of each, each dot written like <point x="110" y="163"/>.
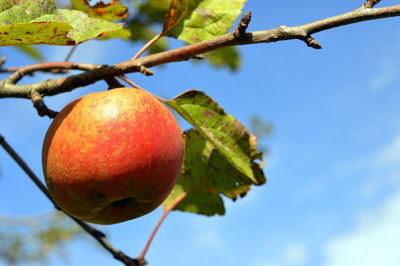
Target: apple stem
<point x="146" y="46"/>
<point x="130" y="82"/>
<point x="134" y="85"/>
<point x="140" y="258"/>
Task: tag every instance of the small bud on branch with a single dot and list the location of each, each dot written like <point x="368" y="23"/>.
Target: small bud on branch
<point x="371" y="3"/>
<point x="240" y="31"/>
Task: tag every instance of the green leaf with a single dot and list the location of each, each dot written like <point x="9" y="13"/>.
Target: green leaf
<point x="170" y="13"/>
<point x="178" y="10"/>
<point x="194" y="21"/>
<point x="84" y="27"/>
<point x="205" y="19"/>
<point x="205" y="175"/>
<point x="6" y="4"/>
<point x="25" y="11"/>
<point x="111" y="11"/>
<point x="224" y="132"/>
<point x="36" y="33"/>
<point x="38" y="22"/>
<point x="122" y="33"/>
<point x="31" y="51"/>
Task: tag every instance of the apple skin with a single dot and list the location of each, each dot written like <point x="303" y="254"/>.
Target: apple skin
<point x="112" y="156"/>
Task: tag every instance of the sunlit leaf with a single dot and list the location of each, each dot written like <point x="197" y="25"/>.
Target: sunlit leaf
<point x="122" y="33"/>
<point x="36" y="33"/>
<point x="25" y="11"/>
<point x="206" y="175"/>
<point x="84" y="28"/>
<point x="171" y="14"/>
<point x="178" y="10"/>
<point x="38" y="22"/>
<point x="220" y="157"/>
<point x="6" y="4"/>
<point x="224" y="132"/>
<point x="204" y="19"/>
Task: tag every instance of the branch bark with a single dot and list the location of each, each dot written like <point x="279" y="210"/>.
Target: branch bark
<point x="94" y="73"/>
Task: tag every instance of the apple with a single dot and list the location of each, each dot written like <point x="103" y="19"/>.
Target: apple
<point x="112" y="156"/>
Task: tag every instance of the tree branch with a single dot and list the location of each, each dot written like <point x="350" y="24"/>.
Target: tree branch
<point x="8" y="88"/>
<point x="98" y="235"/>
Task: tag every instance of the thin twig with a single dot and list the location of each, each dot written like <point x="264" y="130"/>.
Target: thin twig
<point x="98" y="235"/>
<point x="303" y="32"/>
<point x="23" y="71"/>
<point x="9" y="69"/>
<point x="70" y="53"/>
<point x="160" y="221"/>
<point x="3" y="60"/>
<point x="8" y="87"/>
<point x="146" y="46"/>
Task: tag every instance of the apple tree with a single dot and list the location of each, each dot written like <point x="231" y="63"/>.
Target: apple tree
<point x="221" y="157"/>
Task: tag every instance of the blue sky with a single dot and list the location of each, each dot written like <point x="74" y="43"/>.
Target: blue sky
<point x="333" y="192"/>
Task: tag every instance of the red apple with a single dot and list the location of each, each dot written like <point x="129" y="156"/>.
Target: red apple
<point x="112" y="156"/>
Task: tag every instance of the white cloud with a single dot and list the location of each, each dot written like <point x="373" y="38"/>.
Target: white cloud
<point x="390" y="155"/>
<point x="207" y="234"/>
<point x="388" y="162"/>
<point x="211" y="239"/>
<point x="295" y="254"/>
<point x="291" y="255"/>
<point x="385" y="76"/>
<point x="374" y="241"/>
<point x="386" y="72"/>
<point x="378" y="171"/>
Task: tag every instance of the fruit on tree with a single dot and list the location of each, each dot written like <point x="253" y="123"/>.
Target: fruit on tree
<point x="112" y="156"/>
